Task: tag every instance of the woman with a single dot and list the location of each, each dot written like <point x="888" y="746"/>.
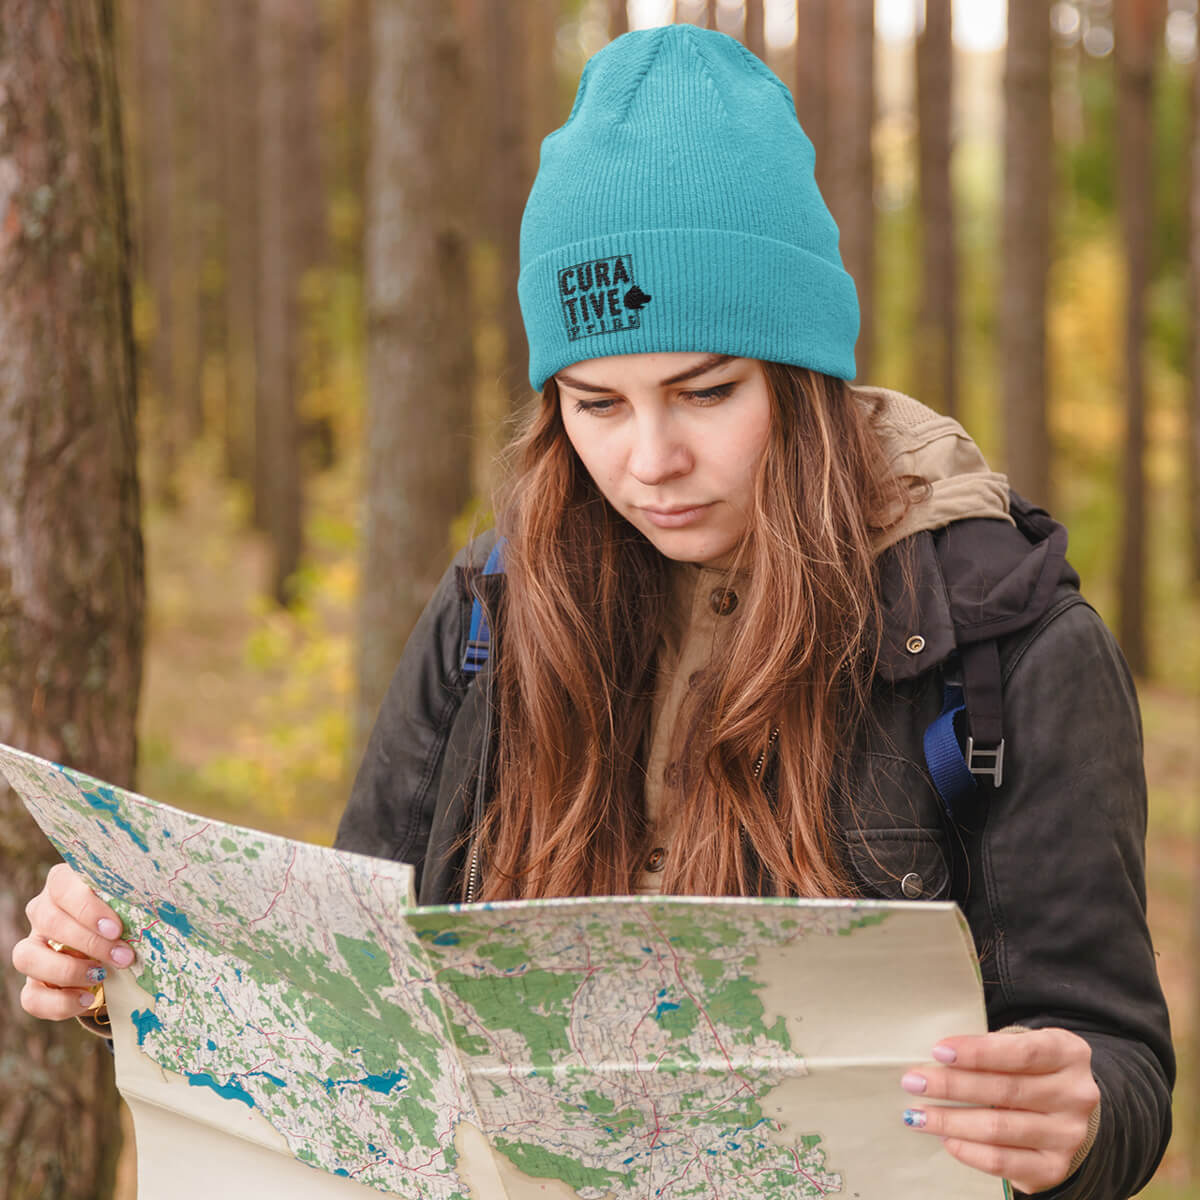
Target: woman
<point x="734" y="592"/>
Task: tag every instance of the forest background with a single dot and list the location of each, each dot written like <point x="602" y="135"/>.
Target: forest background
<point x="259" y="347"/>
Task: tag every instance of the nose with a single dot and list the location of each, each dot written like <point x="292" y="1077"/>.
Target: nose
<point x="657" y="453"/>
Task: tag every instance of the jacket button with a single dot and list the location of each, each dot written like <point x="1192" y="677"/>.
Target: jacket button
<point x="657" y="859"/>
<point x="915" y="644"/>
<point x="723" y="601"/>
<point x="912" y="885"/>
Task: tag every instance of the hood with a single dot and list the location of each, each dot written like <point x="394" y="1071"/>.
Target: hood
<point x="922" y="444"/>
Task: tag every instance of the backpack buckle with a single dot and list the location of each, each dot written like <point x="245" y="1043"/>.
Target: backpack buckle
<point x="990" y="760"/>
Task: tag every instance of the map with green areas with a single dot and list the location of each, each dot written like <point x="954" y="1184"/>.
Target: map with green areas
<point x="293" y="1017"/>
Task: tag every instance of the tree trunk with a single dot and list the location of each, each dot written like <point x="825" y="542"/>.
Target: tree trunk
<point x="812" y="80"/>
<point x="199" y="204"/>
<point x="618" y="21"/>
<point x="1025" y="253"/>
<point x="1136" y="25"/>
<point x="277" y="445"/>
<point x="239" y="99"/>
<point x="510" y="178"/>
<point x="356" y="29"/>
<point x="158" y="248"/>
<point x="755" y="34"/>
<point x="1194" y="407"/>
<point x="544" y="96"/>
<point x="71" y="580"/>
<point x="851" y="175"/>
<point x="937" y="325"/>
<point x="418" y="436"/>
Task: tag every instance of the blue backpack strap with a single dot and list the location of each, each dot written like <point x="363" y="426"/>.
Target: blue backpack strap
<point x="944" y="757"/>
<point x="479" y="636"/>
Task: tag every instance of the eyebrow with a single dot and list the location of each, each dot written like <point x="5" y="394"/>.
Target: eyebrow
<point x="707" y="364"/>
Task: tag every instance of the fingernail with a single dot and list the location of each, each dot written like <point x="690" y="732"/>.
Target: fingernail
<point x="914" y="1118"/>
<point x="945" y="1054"/>
<point x="108" y="928"/>
<point x="121" y="955"/>
<point x="96" y="974"/>
<point x="86" y="999"/>
<point x="912" y="1082"/>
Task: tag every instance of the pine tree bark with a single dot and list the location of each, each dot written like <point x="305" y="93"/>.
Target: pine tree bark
<point x="71" y="581"/>
<point x="277" y="444"/>
<point x="850" y="179"/>
<point x="937" y="324"/>
<point x="755" y="33"/>
<point x="418" y="435"/>
<point x="1025" y="248"/>
<point x="812" y="80"/>
<point x="1137" y="25"/>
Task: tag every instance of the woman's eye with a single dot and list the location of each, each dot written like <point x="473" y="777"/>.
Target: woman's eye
<point x="709" y="395"/>
<point x="597" y="407"/>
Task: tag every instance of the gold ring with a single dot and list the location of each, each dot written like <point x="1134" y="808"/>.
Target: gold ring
<point x="56" y="946"/>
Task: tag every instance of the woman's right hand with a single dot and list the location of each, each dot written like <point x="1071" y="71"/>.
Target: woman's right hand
<point x="67" y="911"/>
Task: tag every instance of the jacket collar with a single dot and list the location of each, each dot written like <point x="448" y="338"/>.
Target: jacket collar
<point x="971" y="581"/>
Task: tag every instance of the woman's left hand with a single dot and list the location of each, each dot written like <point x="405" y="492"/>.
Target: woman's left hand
<point x="1030" y="1096"/>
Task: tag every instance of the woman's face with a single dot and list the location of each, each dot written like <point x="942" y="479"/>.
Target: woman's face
<point x="673" y="441"/>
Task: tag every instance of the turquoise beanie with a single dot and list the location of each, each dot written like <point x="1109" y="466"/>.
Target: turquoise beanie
<point x="677" y="210"/>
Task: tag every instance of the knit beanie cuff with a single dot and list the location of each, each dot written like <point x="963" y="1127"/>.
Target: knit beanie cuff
<point x="705" y="290"/>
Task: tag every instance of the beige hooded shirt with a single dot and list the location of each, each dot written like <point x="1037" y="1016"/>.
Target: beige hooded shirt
<point x="704" y="610"/>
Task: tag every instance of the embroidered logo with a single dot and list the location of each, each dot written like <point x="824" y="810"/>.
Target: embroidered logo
<point x="600" y="296"/>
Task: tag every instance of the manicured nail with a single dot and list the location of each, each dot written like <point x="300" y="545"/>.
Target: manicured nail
<point x="912" y="1082"/>
<point x="121" y="955"/>
<point x="108" y="928"/>
<point x="915" y="1118"/>
<point x="96" y="974"/>
<point x="86" y="999"/>
<point x="945" y="1054"/>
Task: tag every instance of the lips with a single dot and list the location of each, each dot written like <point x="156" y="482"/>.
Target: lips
<point x="676" y="517"/>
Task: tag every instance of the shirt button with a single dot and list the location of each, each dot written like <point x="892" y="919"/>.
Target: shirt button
<point x="723" y="601"/>
<point x="657" y="859"/>
<point x="915" y="644"/>
<point x="671" y="774"/>
<point x="694" y="679"/>
<point x="912" y="885"/>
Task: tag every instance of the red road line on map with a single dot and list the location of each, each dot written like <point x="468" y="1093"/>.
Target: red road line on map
<point x="203" y="829"/>
<point x="275" y="899"/>
<point x="180" y="869"/>
<point x="806" y="1175"/>
<point x="703" y="1010"/>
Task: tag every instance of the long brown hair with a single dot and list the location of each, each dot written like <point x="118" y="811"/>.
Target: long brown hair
<point x="575" y="677"/>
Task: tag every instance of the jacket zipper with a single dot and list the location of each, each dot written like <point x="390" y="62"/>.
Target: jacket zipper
<point x="480" y="782"/>
<point x="762" y="754"/>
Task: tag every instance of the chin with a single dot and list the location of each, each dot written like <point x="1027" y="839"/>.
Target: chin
<point x="704" y="552"/>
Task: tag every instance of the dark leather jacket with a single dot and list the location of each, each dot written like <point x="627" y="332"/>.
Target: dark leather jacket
<point x="1049" y="867"/>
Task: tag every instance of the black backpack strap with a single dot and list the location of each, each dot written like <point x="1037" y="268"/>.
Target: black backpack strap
<point x="983" y="689"/>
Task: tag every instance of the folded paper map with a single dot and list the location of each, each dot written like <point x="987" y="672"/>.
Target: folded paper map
<point x="295" y="1026"/>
